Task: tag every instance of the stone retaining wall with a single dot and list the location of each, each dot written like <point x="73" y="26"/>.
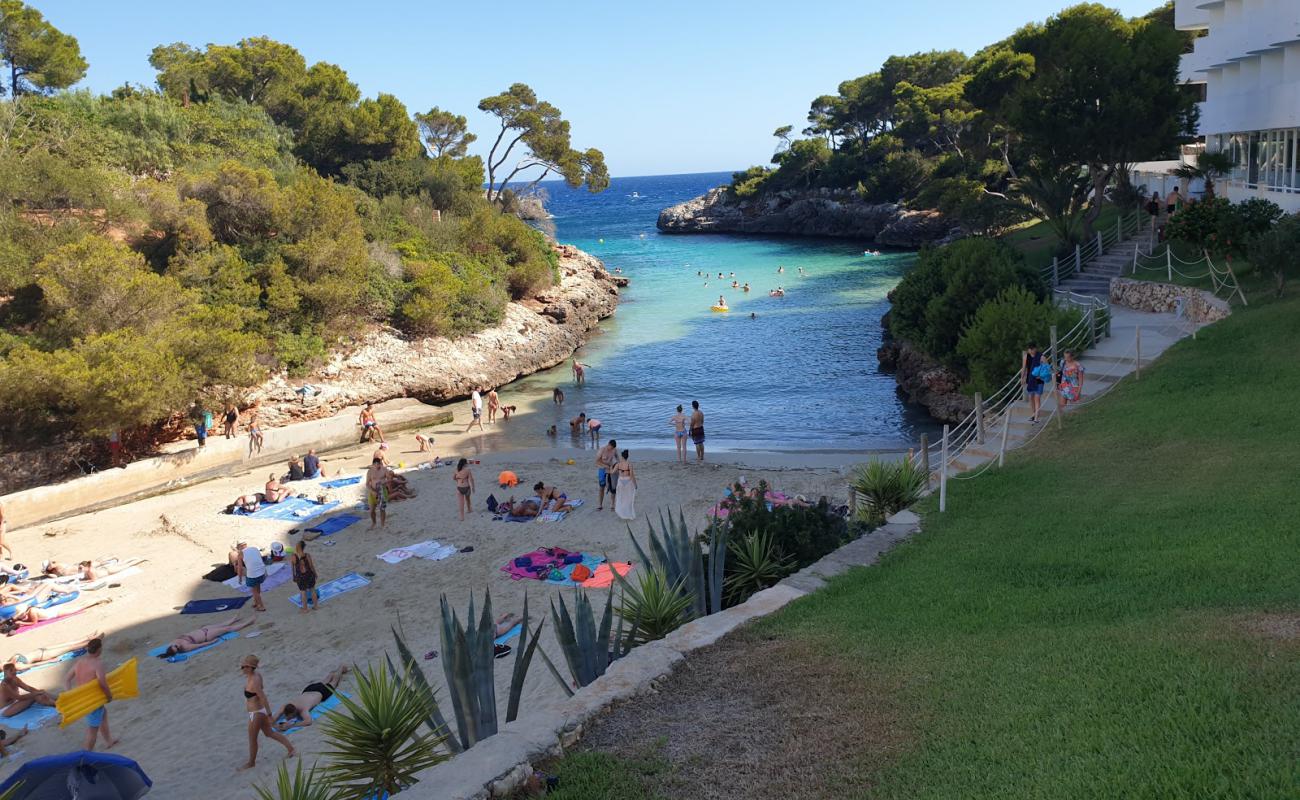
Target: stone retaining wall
<point x="150" y="476"/>
<point x="499" y="765"/>
<point x="1199" y="306"/>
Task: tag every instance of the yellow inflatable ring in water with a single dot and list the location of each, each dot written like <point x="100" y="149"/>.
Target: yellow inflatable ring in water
<point x="75" y="704"/>
<point x="721" y="308"/>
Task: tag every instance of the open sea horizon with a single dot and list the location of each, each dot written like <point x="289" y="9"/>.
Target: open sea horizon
<point x="801" y="375"/>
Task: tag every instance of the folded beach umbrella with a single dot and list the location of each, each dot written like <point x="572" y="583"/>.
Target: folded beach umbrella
<point x="83" y="775"/>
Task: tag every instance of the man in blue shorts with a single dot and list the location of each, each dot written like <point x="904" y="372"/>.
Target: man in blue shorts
<point x="605" y="460"/>
<point x="90" y="668"/>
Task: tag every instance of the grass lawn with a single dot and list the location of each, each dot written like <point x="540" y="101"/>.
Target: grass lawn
<point x="1036" y="241"/>
<point x="1114" y="614"/>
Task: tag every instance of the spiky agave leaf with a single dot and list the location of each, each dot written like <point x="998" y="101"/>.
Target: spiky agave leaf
<point x="523" y="660"/>
<point x="436" y="722"/>
<point x="309" y="785"/>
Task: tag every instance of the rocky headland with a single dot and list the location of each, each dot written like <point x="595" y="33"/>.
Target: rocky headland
<point x="923" y="380"/>
<point x="815" y="212"/>
<point x="535" y="334"/>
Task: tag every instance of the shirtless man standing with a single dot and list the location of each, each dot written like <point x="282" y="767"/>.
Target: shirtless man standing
<point x="678" y="421"/>
<point x="697" y="429"/>
<point x="605" y="460"/>
<point x="377" y="492"/>
<point x="86" y="669"/>
<point x="16" y="696"/>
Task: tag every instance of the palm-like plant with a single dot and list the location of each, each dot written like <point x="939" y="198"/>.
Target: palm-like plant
<point x="887" y="487"/>
<point x="654" y="607"/>
<point x="1056" y="194"/>
<point x="675" y="552"/>
<point x="300" y="785"/>
<point x="756" y="563"/>
<point x="1208" y="167"/>
<point x="374" y="740"/>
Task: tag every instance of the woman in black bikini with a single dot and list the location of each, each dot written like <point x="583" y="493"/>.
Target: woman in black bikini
<point x="464" y="480"/>
<point x="547" y="494"/>
<point x="205" y="636"/>
<point x="259" y="711"/>
<point x="304" y="575"/>
<point x="298" y="713"/>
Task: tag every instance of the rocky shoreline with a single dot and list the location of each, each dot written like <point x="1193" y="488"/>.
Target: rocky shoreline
<point x="922" y="380"/>
<point x="815" y="212"/>
<point x="536" y="334"/>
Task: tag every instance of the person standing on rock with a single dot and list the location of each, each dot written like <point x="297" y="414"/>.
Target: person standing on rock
<point x="697" y="430"/>
<point x="494" y="405"/>
<point x="475" y="410"/>
<point x="1029" y="362"/>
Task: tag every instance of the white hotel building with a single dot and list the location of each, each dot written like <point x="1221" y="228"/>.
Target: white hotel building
<point x="1249" y="62"/>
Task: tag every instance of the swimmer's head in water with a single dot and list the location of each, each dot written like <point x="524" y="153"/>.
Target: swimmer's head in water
<point x="679" y="409"/>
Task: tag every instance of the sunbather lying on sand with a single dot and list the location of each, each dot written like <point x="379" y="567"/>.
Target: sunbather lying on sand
<point x="519" y="508"/>
<point x="34" y="615"/>
<point x="247" y="503"/>
<point x="206" y="635"/>
<point x="297" y="714"/>
<point x="89" y="570"/>
<point x="42" y="655"/>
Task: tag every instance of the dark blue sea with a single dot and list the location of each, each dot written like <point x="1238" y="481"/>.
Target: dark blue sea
<point x="800" y="374"/>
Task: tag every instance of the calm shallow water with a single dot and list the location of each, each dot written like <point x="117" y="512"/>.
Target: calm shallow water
<point x="801" y="376"/>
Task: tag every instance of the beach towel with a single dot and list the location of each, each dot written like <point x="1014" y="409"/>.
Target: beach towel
<point x="179" y="657"/>
<point x="291" y="510"/>
<point x="220" y="573"/>
<point x="214" y="605"/>
<point x="552" y="516"/>
<point x="43" y="623"/>
<point x="334" y="524"/>
<point x="603" y="577"/>
<point x="277" y="574"/>
<point x="510" y="634"/>
<point x="34" y="717"/>
<point x="320" y="710"/>
<point x="100" y="583"/>
<point x="430" y="550"/>
<point x="341" y="482"/>
<point x="513" y="518"/>
<point x="335" y="587"/>
<point x="541" y="565"/>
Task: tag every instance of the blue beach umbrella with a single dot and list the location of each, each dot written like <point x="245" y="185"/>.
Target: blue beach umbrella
<point x="83" y="775"/>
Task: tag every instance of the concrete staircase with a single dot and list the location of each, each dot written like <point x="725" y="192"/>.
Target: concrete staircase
<point x="1094" y="279"/>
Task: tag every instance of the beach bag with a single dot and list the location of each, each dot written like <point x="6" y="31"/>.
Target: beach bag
<point x="573" y="558"/>
<point x="523" y="562"/>
<point x="492" y="503"/>
<point x="1043" y="372"/>
<point x="580" y="573"/>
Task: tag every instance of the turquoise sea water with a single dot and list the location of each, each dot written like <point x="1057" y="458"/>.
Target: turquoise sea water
<point x="801" y="376"/>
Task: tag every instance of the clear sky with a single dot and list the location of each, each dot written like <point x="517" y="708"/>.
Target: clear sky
<point x="661" y="87"/>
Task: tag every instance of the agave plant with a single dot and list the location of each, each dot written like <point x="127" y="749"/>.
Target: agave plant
<point x="677" y="554"/>
<point x="309" y="785"/>
<point x="654" y="606"/>
<point x="887" y="487"/>
<point x="756" y="564"/>
<point x="469" y="665"/>
<point x="586" y="645"/>
<point x="413" y="674"/>
<point x="374" y="740"/>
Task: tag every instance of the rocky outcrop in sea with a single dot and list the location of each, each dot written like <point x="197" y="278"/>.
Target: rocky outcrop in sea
<point x="923" y="380"/>
<point x="814" y="212"/>
<point x="535" y="334"/>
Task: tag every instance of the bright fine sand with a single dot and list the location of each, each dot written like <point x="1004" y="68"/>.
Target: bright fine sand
<point x="188" y="727"/>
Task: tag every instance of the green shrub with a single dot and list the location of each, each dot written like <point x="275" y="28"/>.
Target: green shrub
<point x="887" y="487"/>
<point x="937" y="299"/>
<point x="1277" y="252"/>
<point x="756" y="563"/>
<point x="1002" y="328"/>
<point x="804" y="534"/>
<point x="651" y="606"/>
<point x="1220" y="226"/>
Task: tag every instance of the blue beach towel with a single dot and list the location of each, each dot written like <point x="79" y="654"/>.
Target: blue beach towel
<point x="335" y="587"/>
<point x="294" y="509"/>
<point x="179" y="657"/>
<point x="341" y="482"/>
<point x="68" y="656"/>
<point x="334" y="524"/>
<point x="215" y="605"/>
<point x="321" y="710"/>
<point x="34" y="717"/>
<point x="510" y="634"/>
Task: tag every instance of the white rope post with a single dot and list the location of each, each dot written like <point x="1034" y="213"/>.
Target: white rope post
<point x="1002" y="448"/>
<point x="1137" y="360"/>
<point x="1135" y="260"/>
<point x="1098" y="242"/>
<point x="925" y="458"/>
<point x="1078" y="259"/>
<point x="1052" y="355"/>
<point x="1169" y="262"/>
<point x="943" y="473"/>
<point x="979" y="418"/>
<point x="1056" y="273"/>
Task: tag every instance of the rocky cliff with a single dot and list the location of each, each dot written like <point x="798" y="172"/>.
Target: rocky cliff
<point x="534" y="335"/>
<point x="923" y="380"/>
<point x="816" y="212"/>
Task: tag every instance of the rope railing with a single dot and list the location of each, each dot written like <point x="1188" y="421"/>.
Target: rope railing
<point x="1219" y="278"/>
<point x="1061" y="268"/>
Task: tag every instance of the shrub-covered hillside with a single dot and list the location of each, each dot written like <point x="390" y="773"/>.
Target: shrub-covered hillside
<point x="245" y="216"/>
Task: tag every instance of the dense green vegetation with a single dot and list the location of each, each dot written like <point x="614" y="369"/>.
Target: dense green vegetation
<point x="245" y="216"/>
<point x="1110" y="615"/>
<point x="1031" y="125"/>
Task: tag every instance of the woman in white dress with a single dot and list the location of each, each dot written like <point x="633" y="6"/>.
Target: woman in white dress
<point x="625" y="500"/>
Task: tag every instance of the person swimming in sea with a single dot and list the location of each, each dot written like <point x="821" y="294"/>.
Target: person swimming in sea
<point x="745" y="288"/>
<point x="735" y="284"/>
<point x="722" y="301"/>
<point x="780" y="269"/>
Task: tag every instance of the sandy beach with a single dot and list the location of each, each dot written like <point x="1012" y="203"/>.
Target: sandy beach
<point x="188" y="727"/>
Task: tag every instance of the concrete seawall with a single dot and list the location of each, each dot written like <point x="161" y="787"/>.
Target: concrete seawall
<point x="190" y="463"/>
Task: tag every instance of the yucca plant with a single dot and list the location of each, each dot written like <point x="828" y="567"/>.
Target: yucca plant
<point x="374" y="740"/>
<point x="675" y="552"/>
<point x="654" y="606"/>
<point x="584" y="643"/>
<point x="469" y="665"/>
<point x="300" y="785"/>
<point x="756" y="563"/>
<point x="887" y="487"/>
